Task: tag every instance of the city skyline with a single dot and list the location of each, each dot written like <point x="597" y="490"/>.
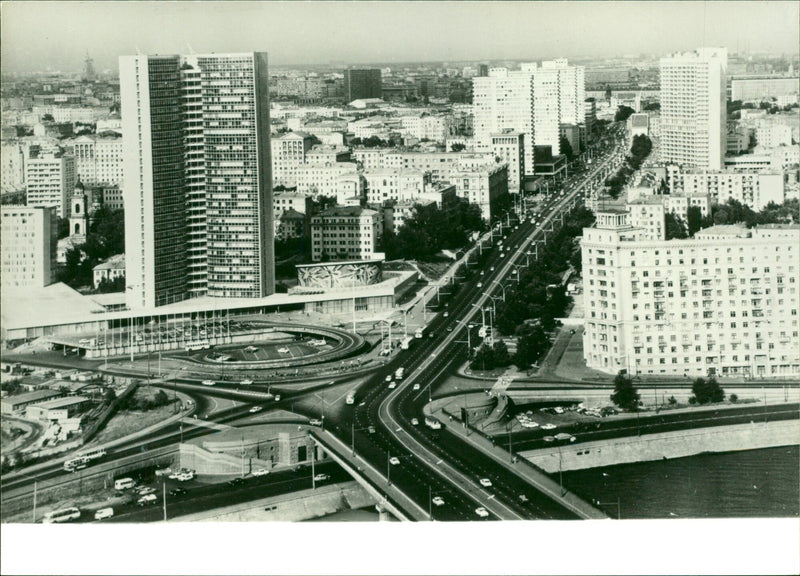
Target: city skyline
<point x="293" y="32"/>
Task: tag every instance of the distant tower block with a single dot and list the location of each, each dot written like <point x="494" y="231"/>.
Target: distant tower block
<point x="78" y="217"/>
<point x="88" y="69"/>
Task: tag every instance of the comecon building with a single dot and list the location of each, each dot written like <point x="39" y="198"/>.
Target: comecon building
<point x="198" y="183"/>
<point x="724" y="302"/>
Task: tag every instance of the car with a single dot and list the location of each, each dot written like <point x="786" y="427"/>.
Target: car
<point x="321" y="477"/>
<point x="208" y="382"/>
<point x="482" y="512"/>
<point x="176" y="492"/>
<point x="549" y="426"/>
<point x="438" y="501"/>
<point x="283" y="350"/>
<point x="446" y="314"/>
<point x="482" y="272"/>
<point x="315" y="422"/>
<point x="145" y="490"/>
<point x="414" y="422"/>
<point x="164" y="472"/>
<point x="371" y="430"/>
<point x="486" y="483"/>
<point x="564" y="437"/>
<point x="394" y="461"/>
<point x="388" y="378"/>
<point x="236" y="482"/>
<point x="393" y="385"/>
<point x="147" y="499"/>
<point x="549" y="439"/>
<point x="480" y="284"/>
<point x="251" y="349"/>
<point x="104" y="513"/>
<point x="255" y="409"/>
<point x="449" y="328"/>
<point x="185" y="476"/>
<point x="491" y="269"/>
<point x="431" y="335"/>
<point x="416" y="386"/>
<point x="277" y="397"/>
<point x="260" y="472"/>
<point x="246" y="382"/>
<point x="523" y="498"/>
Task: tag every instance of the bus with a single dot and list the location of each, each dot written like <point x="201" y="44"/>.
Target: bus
<point x="64" y="515"/>
<point x="351" y="397"/>
<point x="195" y="346"/>
<point x="406" y="342"/>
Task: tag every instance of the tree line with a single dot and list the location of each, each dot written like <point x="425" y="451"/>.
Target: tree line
<point x="640" y="150"/>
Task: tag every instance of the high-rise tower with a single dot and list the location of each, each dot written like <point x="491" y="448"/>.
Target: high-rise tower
<point x="693" y="109"/>
<point x="198" y="183"/>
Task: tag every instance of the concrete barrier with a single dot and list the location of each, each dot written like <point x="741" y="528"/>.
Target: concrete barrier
<point x="292" y="507"/>
<point x="665" y="445"/>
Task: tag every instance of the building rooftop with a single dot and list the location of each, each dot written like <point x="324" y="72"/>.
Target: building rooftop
<point x="30" y="396"/>
<point x="62" y="402"/>
<point x="348" y="211"/>
<point x="116" y="262"/>
<point x="292" y="214"/>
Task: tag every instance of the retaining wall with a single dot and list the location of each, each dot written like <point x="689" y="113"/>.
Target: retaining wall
<point x="666" y="445"/>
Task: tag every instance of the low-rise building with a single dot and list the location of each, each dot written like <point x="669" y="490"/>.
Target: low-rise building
<point x="56" y="410"/>
<point x="113" y="267"/>
<point x="19" y="402"/>
<point x="754" y="189"/>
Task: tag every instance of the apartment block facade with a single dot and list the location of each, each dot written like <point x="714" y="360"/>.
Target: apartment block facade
<point x="29" y="239"/>
<point x="345" y="233"/>
<point x="50" y="179"/>
<point x="724" y="302"/>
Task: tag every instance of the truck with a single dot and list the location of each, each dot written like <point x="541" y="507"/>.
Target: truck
<point x="406" y="342"/>
<point x="432" y="423"/>
<point x="351" y="397"/>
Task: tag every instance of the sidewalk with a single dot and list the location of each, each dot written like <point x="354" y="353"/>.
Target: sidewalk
<point x="527" y="472"/>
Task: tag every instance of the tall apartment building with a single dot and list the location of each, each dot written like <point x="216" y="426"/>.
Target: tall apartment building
<point x="509" y="146"/>
<point x="362" y="83"/>
<point x="198" y="185"/>
<point x="693" y="109"/>
<point x="534" y="100"/>
<point x="288" y="154"/>
<point x="98" y="159"/>
<point x="724" y="302"/>
<point x="50" y="179"/>
<point x="29" y="238"/>
<point x="345" y="233"/>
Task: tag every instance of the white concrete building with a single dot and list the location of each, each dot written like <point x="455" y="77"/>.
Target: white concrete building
<point x="12" y="167"/>
<point x="50" y="179"/>
<point x="29" y="241"/>
<point x="98" y="159"/>
<point x="753" y="189"/>
<point x="345" y="233"/>
<point x="693" y="109"/>
<point x="393" y="184"/>
<point x="316" y="179"/>
<point x="510" y="148"/>
<point x="773" y="135"/>
<point x="288" y="154"/>
<point x="724" y="302"/>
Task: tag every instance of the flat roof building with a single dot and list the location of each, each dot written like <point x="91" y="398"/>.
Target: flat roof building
<point x="29" y="245"/>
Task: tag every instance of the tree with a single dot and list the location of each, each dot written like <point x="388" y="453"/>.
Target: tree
<point x="63" y="228"/>
<point x="484" y="358"/>
<point x="625" y="395"/>
<point x="48" y="118"/>
<point x="694" y="219"/>
<point x="107" y="286"/>
<point x="531" y="345"/>
<point x="623" y="113"/>
<point x="501" y="356"/>
<point x="707" y="390"/>
<point x="566" y="148"/>
<point x="674" y="228"/>
<point x="457" y="147"/>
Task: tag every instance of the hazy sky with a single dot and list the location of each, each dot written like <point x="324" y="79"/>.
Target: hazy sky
<point x="56" y="35"/>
